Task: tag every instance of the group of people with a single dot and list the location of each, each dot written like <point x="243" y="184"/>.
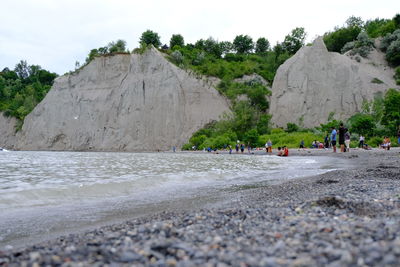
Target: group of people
<point x="282" y="151"/>
<point x="344" y="138"/>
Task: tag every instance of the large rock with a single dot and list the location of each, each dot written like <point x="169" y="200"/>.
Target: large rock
<point x="8" y="129"/>
<point x="122" y="103"/>
<point x="314" y="82"/>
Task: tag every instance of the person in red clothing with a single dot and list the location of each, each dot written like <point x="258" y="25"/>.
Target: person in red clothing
<point x="285" y="151"/>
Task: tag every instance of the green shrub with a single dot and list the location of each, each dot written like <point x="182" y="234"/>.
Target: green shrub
<point x="393" y="53"/>
<point x="374" y="141"/>
<point x="397" y="75"/>
<point x="291" y="140"/>
<point x="362" y="46"/>
<point x="177" y="57"/>
<point x="291" y="127"/>
<point x="277" y="131"/>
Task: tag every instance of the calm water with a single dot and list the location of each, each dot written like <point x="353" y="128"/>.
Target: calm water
<point x="43" y="194"/>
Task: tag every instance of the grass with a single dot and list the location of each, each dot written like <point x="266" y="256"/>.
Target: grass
<point x="291" y="140"/>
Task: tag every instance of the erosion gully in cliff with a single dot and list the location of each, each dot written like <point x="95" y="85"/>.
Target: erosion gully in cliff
<point x="314" y="82"/>
<point x="138" y="102"/>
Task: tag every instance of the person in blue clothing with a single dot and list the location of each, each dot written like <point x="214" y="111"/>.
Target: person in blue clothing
<point x="398" y="136"/>
<point x="333" y="139"/>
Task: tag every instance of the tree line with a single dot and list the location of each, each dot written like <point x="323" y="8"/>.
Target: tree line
<point x="22" y="88"/>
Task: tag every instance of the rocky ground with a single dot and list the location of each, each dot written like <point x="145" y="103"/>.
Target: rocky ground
<point x="341" y="218"/>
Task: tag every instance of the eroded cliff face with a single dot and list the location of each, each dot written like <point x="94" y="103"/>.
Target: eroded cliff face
<point x="122" y="103"/>
<point x="7" y="131"/>
<point x="314" y="82"/>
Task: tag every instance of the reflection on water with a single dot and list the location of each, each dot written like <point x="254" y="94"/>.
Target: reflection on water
<point x="52" y="189"/>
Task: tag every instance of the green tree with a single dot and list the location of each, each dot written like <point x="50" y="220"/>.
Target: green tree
<point x="212" y="47"/>
<point x="251" y="137"/>
<point x="257" y="95"/>
<point x="336" y="40"/>
<point x="362" y="124"/>
<point x="150" y="37"/>
<point x="353" y="21"/>
<point x="244" y="117"/>
<point x="396" y="20"/>
<point x="391" y="112"/>
<point x="243" y="44"/>
<point x="379" y="27"/>
<point x="176" y="39"/>
<point x="22" y="69"/>
<point x="393" y="53"/>
<point x="226" y="47"/>
<point x="22" y="88"/>
<point x="262" y="45"/>
<point x="92" y="54"/>
<point x="294" y="41"/>
<point x="118" y="46"/>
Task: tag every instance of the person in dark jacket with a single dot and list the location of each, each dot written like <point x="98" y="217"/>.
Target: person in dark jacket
<point x="342" y="131"/>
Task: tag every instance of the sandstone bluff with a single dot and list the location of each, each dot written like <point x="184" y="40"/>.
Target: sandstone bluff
<point x="314" y="82"/>
<point x="144" y="103"/>
<point x="121" y="103"/>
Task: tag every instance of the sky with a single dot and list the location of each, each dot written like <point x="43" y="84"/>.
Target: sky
<point x="56" y="33"/>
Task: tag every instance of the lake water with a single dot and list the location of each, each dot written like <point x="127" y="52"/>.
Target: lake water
<point x="44" y="194"/>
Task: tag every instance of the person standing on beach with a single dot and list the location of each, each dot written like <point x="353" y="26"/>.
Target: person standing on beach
<point x="301" y="144"/>
<point x="333" y="139"/>
<point x="326" y="141"/>
<point x="342" y="130"/>
<point x="347" y="140"/>
<point x="268" y="145"/>
<point x="398" y="136"/>
<point x="237" y="148"/>
<point x="361" y="141"/>
<point x="242" y="148"/>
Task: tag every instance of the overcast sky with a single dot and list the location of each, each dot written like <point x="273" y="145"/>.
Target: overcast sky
<point x="56" y="33"/>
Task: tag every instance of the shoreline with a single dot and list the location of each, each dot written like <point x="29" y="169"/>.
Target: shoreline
<point x="345" y="217"/>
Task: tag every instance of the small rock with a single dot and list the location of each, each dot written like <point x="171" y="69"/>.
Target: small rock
<point x="34" y="256"/>
<point x="129" y="256"/>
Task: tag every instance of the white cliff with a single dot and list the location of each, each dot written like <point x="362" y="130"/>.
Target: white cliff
<point x="7" y="131"/>
<point x="122" y="103"/>
<point x="314" y="82"/>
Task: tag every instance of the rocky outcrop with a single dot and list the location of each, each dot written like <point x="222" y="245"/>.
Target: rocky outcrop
<point x="122" y="103"/>
<point x="7" y="131"/>
<point x="314" y="82"/>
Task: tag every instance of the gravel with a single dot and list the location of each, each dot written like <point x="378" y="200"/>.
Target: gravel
<point x="342" y="218"/>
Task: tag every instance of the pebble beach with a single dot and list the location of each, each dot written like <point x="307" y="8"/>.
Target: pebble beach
<point x="347" y="217"/>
